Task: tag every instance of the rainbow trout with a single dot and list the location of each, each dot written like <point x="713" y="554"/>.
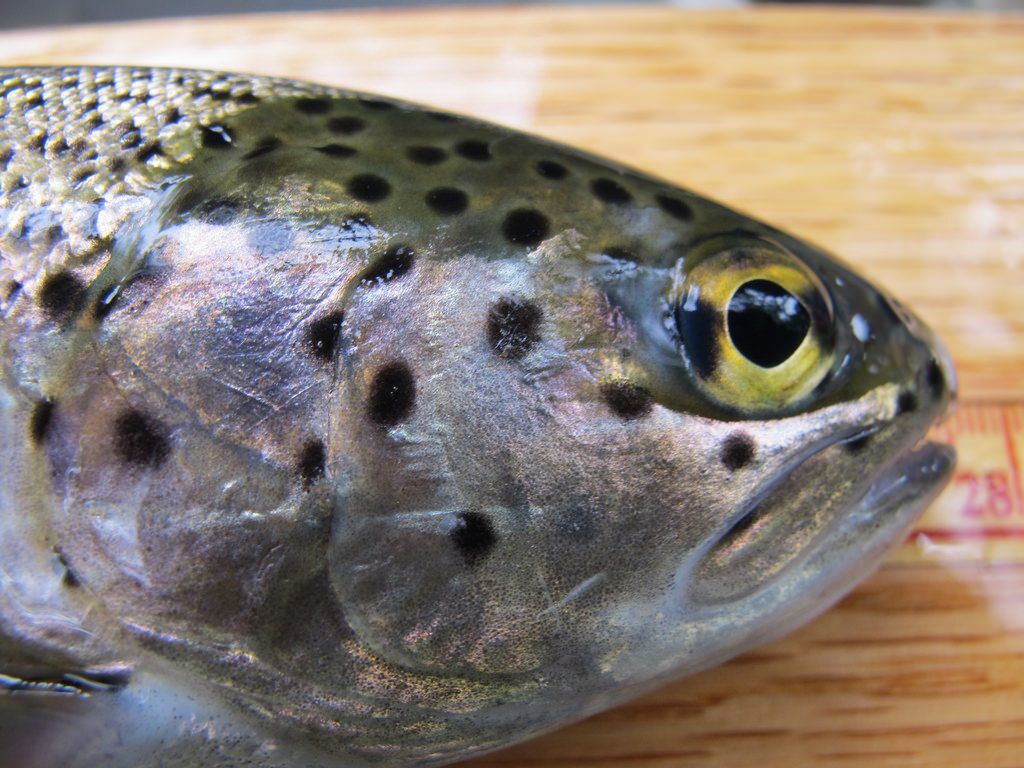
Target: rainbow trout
<point x="335" y="431"/>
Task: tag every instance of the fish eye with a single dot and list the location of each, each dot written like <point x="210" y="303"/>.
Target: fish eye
<point x="754" y="323"/>
<point x="766" y="323"/>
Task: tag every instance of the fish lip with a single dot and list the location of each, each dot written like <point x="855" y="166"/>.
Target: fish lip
<point x="846" y="550"/>
<point x="754" y="505"/>
<point x="899" y="463"/>
<point x="891" y="499"/>
<point x="918" y="472"/>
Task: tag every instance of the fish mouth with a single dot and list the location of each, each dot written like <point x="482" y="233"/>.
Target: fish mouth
<point x="809" y="514"/>
<point x="921" y="471"/>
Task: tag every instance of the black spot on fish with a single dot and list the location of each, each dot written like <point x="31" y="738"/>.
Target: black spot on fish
<point x="426" y="155"/>
<point x="696" y="326"/>
<point x="675" y="207"/>
<point x="311" y="462"/>
<point x="626" y="399"/>
<point x="12" y="290"/>
<point x="148" y="151"/>
<point x="368" y="188"/>
<point x="247" y="98"/>
<point x="59" y="146"/>
<point x="392" y="265"/>
<point x="474" y="536"/>
<point x="549" y="169"/>
<point x="172" y="115"/>
<point x="117" y="164"/>
<point x="216" y="137"/>
<point x="447" y="201"/>
<point x="61" y="296"/>
<point x="906" y="403"/>
<point x="472" y="149"/>
<point x="336" y="150"/>
<point x="737" y="451"/>
<point x="346" y="125"/>
<point x="38" y="142"/>
<point x="392" y="394"/>
<point x="313" y="106"/>
<point x="610" y="191"/>
<point x="935" y="378"/>
<point x="264" y="147"/>
<point x="513" y="327"/>
<point x="377" y="104"/>
<point x="323" y="335"/>
<point x="40" y="419"/>
<point x="140" y="440"/>
<point x="525" y="226"/>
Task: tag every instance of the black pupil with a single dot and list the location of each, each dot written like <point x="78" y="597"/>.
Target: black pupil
<point x="766" y="322"/>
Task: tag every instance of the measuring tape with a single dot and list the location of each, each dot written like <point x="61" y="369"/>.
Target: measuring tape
<point x="980" y="515"/>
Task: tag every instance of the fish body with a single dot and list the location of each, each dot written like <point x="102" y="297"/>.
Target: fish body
<point x="335" y="431"/>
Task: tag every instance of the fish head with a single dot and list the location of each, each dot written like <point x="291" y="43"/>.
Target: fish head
<point x="552" y="465"/>
<point x="653" y="468"/>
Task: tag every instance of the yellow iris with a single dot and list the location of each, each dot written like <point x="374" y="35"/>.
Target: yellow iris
<point x="755" y="323"/>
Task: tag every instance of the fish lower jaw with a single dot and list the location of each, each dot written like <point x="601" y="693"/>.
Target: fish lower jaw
<point x="909" y="482"/>
<point x="703" y="633"/>
<point x="776" y="534"/>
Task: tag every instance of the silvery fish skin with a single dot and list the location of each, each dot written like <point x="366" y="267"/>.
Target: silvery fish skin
<point x="340" y="432"/>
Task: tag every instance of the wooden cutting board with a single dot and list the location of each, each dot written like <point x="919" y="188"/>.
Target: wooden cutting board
<point x="895" y="138"/>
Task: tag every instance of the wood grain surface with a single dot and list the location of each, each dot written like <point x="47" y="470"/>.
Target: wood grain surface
<point x="895" y="139"/>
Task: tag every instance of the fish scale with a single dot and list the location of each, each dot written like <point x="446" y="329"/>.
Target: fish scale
<point x="340" y="431"/>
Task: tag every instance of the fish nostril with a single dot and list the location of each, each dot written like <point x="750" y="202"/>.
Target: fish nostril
<point x="906" y="403"/>
<point x="935" y="378"/>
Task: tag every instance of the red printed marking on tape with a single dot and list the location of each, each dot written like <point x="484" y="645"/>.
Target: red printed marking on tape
<point x="983" y="505"/>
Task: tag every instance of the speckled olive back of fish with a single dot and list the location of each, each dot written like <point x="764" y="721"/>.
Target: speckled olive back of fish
<point x="335" y="431"/>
